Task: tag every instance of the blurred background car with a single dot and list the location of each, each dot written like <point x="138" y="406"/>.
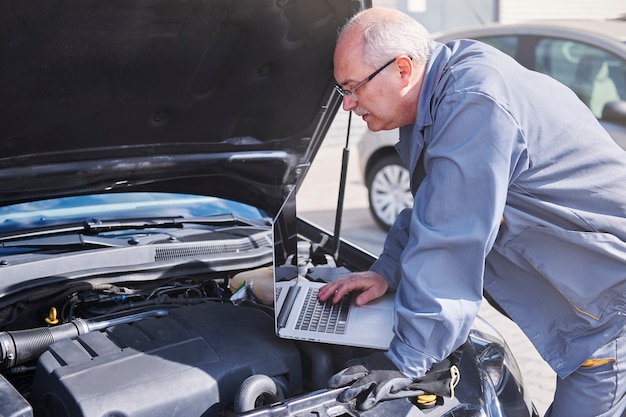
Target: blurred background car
<point x="589" y="56"/>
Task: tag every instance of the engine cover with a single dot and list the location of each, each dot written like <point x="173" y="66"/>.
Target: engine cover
<point x="188" y="363"/>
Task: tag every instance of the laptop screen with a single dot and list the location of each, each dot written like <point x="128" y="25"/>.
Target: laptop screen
<point x="299" y="315"/>
<point x="285" y="236"/>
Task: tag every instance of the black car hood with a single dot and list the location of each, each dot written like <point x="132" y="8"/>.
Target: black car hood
<point x="229" y="98"/>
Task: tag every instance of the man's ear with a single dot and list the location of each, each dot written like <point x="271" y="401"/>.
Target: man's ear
<point x="404" y="64"/>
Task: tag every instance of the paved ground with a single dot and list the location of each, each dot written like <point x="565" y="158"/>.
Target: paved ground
<point x="317" y="200"/>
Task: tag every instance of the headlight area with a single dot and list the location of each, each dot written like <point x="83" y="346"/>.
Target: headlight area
<point x="501" y="377"/>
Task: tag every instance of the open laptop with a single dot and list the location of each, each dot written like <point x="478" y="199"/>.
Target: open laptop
<point x="300" y="315"/>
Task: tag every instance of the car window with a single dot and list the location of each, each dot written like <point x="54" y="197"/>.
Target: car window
<point x="507" y="44"/>
<point x="595" y="75"/>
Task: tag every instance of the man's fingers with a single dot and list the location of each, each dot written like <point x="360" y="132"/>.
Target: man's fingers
<point x="334" y="291"/>
<point x="326" y="291"/>
<point x="340" y="293"/>
<point x="368" y="295"/>
<point x="339" y="288"/>
<point x="369" y="283"/>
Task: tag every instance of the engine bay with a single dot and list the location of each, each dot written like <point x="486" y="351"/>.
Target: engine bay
<point x="181" y="346"/>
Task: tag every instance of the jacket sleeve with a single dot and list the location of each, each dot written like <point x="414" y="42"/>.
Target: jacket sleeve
<point x="435" y="254"/>
<point x="388" y="263"/>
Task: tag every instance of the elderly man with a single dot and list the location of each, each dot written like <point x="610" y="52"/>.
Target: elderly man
<point x="519" y="192"/>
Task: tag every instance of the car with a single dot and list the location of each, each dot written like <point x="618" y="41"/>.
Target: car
<point x="589" y="56"/>
<point x="151" y="154"/>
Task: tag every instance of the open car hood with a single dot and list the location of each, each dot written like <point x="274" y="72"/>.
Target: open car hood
<point x="221" y="97"/>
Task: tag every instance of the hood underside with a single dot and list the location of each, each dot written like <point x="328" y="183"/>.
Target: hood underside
<point x="221" y="97"/>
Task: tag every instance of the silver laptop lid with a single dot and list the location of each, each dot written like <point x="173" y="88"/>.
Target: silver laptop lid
<point x="285" y="239"/>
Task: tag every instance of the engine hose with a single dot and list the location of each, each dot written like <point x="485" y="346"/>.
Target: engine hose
<point x="20" y="346"/>
<point x="256" y="391"/>
<point x="322" y="361"/>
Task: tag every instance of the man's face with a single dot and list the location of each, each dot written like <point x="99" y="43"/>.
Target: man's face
<point x="374" y="98"/>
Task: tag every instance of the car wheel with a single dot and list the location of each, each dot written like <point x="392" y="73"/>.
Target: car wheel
<point x="389" y="190"/>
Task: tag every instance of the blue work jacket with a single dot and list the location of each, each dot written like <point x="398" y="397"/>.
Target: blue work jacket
<point x="518" y="190"/>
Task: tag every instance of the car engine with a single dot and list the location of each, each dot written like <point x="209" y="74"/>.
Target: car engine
<point x="190" y="362"/>
<point x="182" y="349"/>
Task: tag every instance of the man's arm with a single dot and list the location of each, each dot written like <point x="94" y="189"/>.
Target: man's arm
<point x="456" y="215"/>
<point x="388" y="264"/>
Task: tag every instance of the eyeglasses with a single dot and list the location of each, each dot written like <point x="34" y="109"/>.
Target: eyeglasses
<point x="350" y="92"/>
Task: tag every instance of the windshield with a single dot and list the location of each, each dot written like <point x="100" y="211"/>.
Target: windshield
<point x="88" y="208"/>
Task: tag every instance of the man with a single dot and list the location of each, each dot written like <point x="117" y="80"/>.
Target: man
<point x="518" y="192"/>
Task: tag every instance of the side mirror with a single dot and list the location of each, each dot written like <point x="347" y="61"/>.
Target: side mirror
<point x="615" y="112"/>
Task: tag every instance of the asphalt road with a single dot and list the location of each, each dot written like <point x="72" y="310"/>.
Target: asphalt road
<point x="317" y="202"/>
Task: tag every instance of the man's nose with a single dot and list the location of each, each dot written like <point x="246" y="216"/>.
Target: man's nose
<point x="348" y="103"/>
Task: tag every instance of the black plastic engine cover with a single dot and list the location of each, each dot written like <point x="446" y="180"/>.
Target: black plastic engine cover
<point x="189" y="363"/>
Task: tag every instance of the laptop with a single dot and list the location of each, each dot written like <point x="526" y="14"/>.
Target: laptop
<point x="300" y="315"/>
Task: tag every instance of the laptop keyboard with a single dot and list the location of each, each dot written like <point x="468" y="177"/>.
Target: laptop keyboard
<point x="323" y="317"/>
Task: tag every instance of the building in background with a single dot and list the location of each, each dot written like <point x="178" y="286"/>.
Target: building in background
<point x="519" y="10"/>
<point x="438" y="15"/>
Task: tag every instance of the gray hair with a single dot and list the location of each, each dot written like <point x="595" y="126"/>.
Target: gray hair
<point x="389" y="33"/>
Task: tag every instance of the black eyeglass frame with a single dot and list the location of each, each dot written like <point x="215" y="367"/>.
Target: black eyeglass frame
<point x="351" y="91"/>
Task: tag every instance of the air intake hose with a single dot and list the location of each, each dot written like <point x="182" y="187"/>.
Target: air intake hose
<point x="20" y="346"/>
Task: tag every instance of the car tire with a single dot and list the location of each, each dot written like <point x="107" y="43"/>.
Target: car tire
<point x="388" y="190"/>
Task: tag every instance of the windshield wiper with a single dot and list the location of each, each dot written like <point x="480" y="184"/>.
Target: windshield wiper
<point x="98" y="225"/>
<point x="94" y="226"/>
<point x="64" y="240"/>
<point x="219" y="220"/>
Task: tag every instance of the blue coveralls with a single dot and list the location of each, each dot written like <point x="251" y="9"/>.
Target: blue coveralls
<point x="518" y="189"/>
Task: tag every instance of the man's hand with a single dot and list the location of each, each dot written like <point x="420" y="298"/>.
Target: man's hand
<point x="371" y="285"/>
<point x="372" y="379"/>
